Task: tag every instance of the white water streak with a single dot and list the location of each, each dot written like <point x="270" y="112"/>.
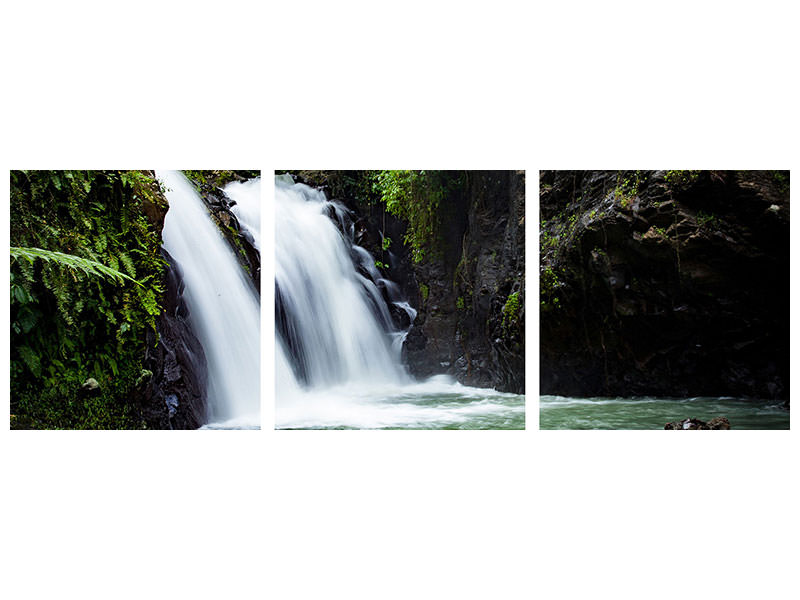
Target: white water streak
<point x="341" y="338"/>
<point x="223" y="303"/>
<point x="247" y="195"/>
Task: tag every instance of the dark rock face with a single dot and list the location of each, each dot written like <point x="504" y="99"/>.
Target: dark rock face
<point x="671" y="283"/>
<point x="173" y="393"/>
<point x="464" y="327"/>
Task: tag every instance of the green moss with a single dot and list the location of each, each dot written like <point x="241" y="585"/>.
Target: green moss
<point x="424" y="290"/>
<point x="627" y="188"/>
<point x="511" y="311"/>
<point x="460" y="303"/>
<point x="681" y="179"/>
<point x="549" y="284"/>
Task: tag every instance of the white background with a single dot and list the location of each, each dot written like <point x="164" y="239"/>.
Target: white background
<point x="402" y="514"/>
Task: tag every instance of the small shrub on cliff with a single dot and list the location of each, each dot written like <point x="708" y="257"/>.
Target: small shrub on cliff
<point x="681" y="179"/>
<point x="706" y="220"/>
<point x="549" y="284"/>
<point x="511" y="311"/>
<point x="424" y="290"/>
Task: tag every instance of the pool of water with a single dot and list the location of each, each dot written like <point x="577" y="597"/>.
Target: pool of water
<point x="559" y="412"/>
<point x="435" y="404"/>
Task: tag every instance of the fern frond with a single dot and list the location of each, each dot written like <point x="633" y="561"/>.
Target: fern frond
<point x="76" y="263"/>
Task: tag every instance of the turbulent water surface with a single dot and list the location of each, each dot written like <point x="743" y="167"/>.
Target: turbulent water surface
<point x="558" y="412"/>
<point x="438" y="403"/>
<point x="223" y="305"/>
<point x="338" y="351"/>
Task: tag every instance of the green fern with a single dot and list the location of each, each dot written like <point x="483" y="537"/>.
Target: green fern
<point x="75" y="263"/>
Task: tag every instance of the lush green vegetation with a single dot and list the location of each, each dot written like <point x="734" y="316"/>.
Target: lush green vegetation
<point x="681" y="179"/>
<point x="218" y="178"/>
<point x="419" y="198"/>
<point x="86" y="286"/>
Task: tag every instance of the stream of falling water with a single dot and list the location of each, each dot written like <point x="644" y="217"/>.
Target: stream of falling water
<point x="223" y="304"/>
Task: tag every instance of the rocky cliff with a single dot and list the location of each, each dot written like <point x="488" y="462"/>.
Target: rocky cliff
<point x="471" y="299"/>
<point x="669" y="283"/>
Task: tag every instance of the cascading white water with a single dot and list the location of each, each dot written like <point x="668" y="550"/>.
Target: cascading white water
<point x="338" y="354"/>
<point x="316" y="283"/>
<point x="222" y="301"/>
<point x="247" y="195"/>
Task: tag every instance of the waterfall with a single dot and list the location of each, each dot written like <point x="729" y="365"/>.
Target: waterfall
<point x="338" y="350"/>
<point x="334" y="326"/>
<point x="223" y="304"/>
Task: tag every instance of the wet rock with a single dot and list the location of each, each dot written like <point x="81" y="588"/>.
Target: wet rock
<point x="715" y="423"/>
<point x="481" y="266"/>
<point x="173" y="396"/>
<point x="719" y="423"/>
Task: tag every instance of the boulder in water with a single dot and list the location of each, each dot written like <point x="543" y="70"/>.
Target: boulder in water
<point x="719" y="423"/>
<point x="715" y="423"/>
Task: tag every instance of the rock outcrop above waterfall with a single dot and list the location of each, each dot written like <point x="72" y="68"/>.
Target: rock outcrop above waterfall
<point x="470" y="292"/>
<point x="668" y="283"/>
